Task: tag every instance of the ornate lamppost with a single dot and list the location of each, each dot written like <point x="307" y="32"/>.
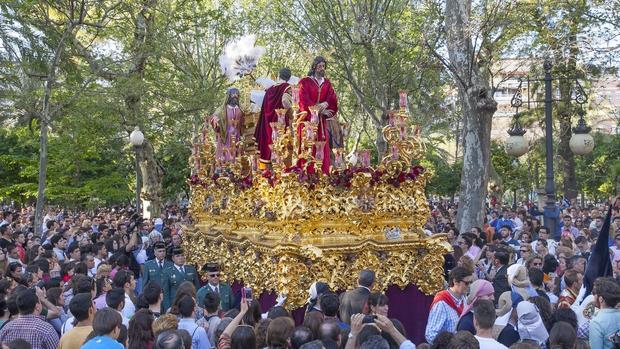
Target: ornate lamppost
<point x="581" y="142"/>
<point x="136" y="139"/>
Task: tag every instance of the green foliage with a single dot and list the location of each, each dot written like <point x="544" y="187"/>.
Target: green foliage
<point x="514" y="174"/>
<point x="446" y="176"/>
<point x="80" y="173"/>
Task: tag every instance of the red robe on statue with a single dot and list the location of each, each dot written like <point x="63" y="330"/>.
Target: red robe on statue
<point x="262" y="133"/>
<point x="310" y="93"/>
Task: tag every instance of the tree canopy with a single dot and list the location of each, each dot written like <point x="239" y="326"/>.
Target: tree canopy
<point x="105" y="67"/>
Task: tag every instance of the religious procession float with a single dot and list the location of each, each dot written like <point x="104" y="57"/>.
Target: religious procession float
<point x="277" y="203"/>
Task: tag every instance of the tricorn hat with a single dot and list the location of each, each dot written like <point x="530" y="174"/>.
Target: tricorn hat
<point x="211" y="267"/>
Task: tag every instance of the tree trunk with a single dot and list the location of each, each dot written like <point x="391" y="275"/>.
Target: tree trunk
<point x="380" y="142"/>
<point x="151" y="192"/>
<point x="476" y="98"/>
<point x="42" y="178"/>
<point x="151" y="184"/>
<point x="45" y="121"/>
<point x="568" y="69"/>
<point x="567" y="157"/>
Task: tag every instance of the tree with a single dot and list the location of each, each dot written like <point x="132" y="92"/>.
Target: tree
<point x="471" y="74"/>
<point x="57" y="23"/>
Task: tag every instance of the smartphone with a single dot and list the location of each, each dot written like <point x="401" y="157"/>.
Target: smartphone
<point x="246" y="293"/>
<point x="369" y="319"/>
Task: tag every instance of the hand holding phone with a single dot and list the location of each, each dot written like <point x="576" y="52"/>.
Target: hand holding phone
<point x="246" y="293"/>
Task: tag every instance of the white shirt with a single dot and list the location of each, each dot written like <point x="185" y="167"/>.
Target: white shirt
<point x="551" y="245"/>
<point x="125" y="320"/>
<point x="129" y="309"/>
<point x="489" y="343"/>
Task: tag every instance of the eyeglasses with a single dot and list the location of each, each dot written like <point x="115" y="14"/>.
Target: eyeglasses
<point x="215" y="275"/>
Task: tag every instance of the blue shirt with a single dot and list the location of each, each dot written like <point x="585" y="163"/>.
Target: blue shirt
<point x="605" y="323"/>
<point x="442" y="318"/>
<point x="500" y="222"/>
<point x="200" y="340"/>
<point x="102" y="342"/>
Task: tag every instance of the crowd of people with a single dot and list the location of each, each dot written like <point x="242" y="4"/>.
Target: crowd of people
<point x="110" y="279"/>
<point x="514" y="283"/>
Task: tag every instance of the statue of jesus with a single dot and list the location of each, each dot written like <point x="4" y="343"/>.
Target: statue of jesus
<point x="316" y="89"/>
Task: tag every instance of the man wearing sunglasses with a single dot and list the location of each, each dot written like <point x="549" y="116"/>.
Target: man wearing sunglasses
<point x="448" y="305"/>
<point x="212" y="272"/>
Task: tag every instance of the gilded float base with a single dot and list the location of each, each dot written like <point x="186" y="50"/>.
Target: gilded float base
<point x="268" y="264"/>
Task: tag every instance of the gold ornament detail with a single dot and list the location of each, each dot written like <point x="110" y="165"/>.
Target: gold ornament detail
<point x="282" y="230"/>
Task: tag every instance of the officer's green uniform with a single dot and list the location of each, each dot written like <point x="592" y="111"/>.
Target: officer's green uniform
<point x="172" y="278"/>
<point x="226" y="295"/>
<point x="153" y="272"/>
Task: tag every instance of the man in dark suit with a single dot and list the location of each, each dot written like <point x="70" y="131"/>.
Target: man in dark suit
<point x="500" y="281"/>
<point x="154" y="269"/>
<point x="227" y="300"/>
<point x="176" y="274"/>
<point x="356" y="301"/>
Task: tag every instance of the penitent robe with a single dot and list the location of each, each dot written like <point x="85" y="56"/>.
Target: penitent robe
<point x="310" y="93"/>
<point x="262" y="133"/>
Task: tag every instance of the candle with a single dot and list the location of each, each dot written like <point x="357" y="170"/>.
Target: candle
<point x="319" y="149"/>
<point x="295" y="96"/>
<point x="281" y="114"/>
<point x="402" y="101"/>
<point x="314" y="114"/>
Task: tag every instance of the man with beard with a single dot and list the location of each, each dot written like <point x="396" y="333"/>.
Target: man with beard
<point x="273" y="100"/>
<point x="227" y="122"/>
<point x="315" y="89"/>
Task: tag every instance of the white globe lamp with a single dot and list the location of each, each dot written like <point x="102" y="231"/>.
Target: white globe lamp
<point x="516" y="145"/>
<point x="581" y="142"/>
<point x="136" y="138"/>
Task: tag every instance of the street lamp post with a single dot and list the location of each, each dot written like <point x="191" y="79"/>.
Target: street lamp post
<point x="136" y="138"/>
<point x="581" y="142"/>
<point x="551" y="211"/>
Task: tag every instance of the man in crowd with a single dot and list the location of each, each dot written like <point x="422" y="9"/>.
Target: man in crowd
<point x="222" y="289"/>
<point x="448" y="305"/>
<point x="606" y="323"/>
<point x="125" y="280"/>
<point x="356" y="301"/>
<point x="484" y="319"/>
<point x="83" y="310"/>
<point x="28" y="325"/>
<point x="174" y="275"/>
<point x="573" y="280"/>
<point x="154" y="269"/>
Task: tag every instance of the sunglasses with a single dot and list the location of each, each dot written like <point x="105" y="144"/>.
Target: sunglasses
<point x="214" y="275"/>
